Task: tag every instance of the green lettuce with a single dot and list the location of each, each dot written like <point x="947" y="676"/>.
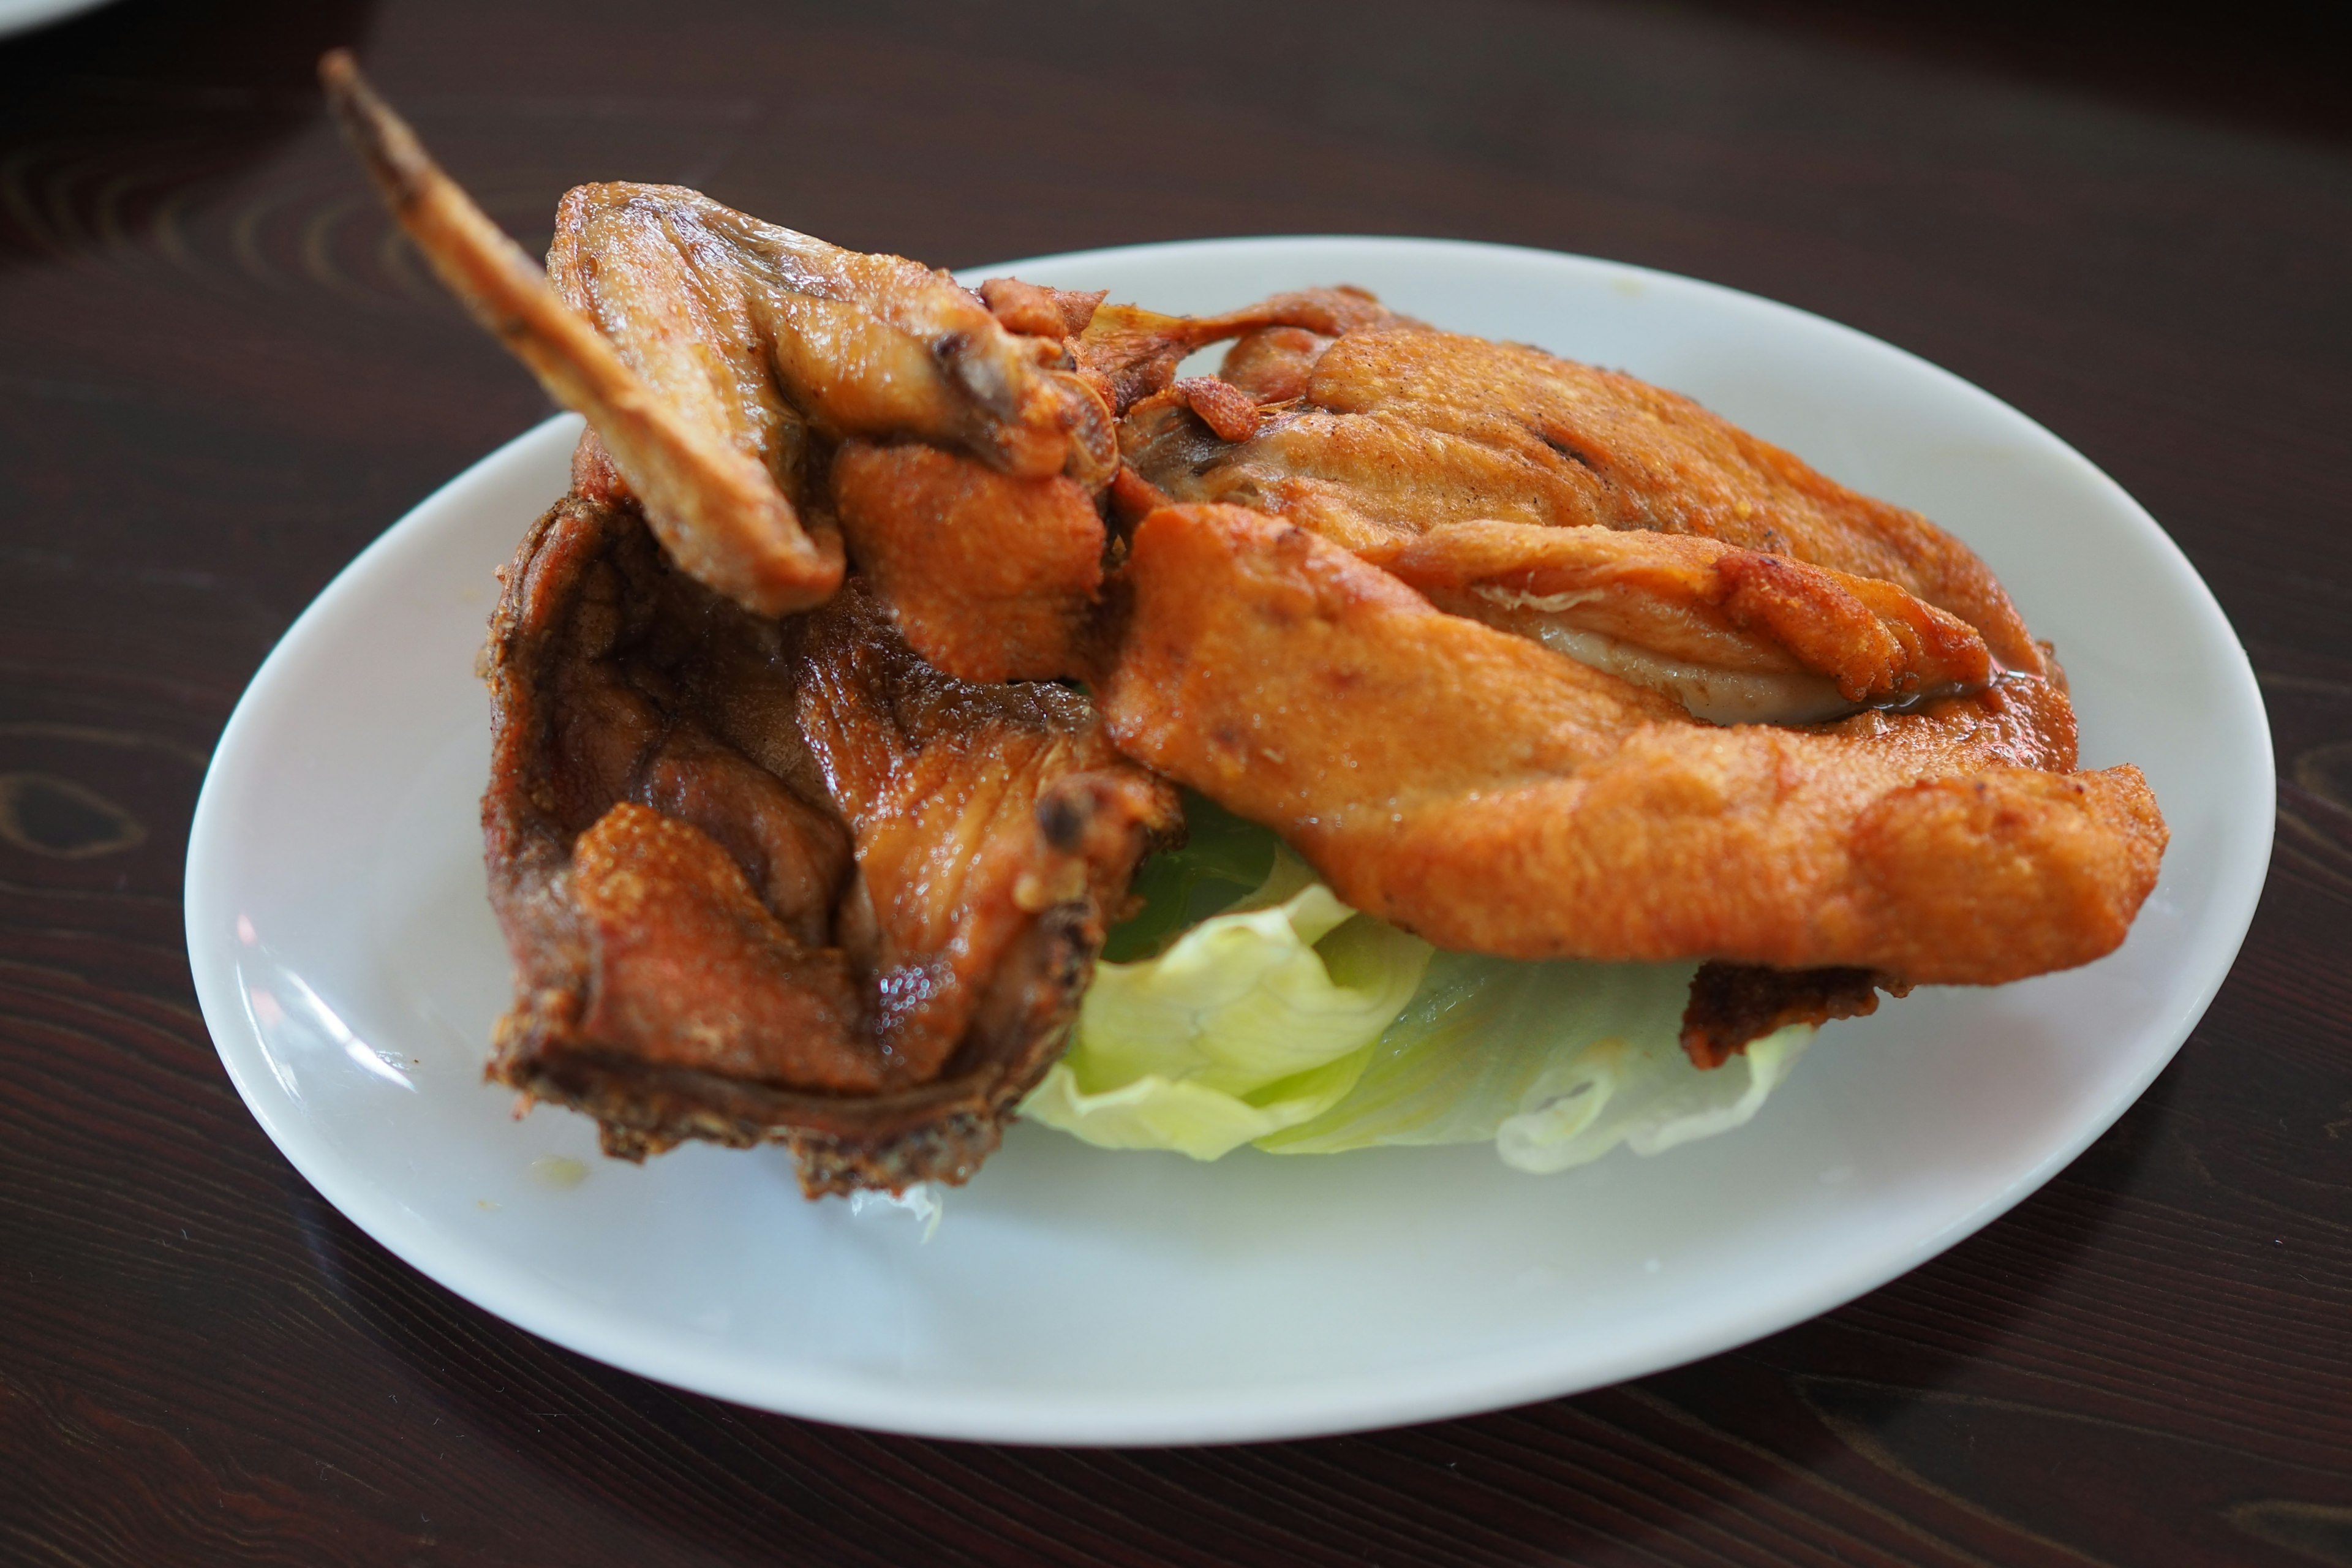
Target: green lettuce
<point x="1556" y="1063"/>
<point x="1245" y="1003"/>
<point x="1250" y="1021"/>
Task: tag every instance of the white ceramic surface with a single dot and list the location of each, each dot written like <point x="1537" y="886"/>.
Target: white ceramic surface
<point x="350" y="971"/>
<point x="23" y="15"/>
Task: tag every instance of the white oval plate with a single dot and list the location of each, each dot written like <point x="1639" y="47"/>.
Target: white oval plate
<point x="350" y="971"/>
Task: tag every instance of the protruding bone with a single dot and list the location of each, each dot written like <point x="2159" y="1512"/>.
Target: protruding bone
<point x="764" y="331"/>
<point x="715" y="507"/>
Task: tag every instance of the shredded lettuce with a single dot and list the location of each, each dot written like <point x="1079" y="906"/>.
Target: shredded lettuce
<point x="1245" y="1003"/>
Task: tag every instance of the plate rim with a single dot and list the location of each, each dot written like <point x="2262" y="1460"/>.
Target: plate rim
<point x="1435" y="1390"/>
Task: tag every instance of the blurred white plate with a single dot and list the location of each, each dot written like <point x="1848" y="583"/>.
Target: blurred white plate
<point x="23" y="15"/>
<point x="350" y="971"/>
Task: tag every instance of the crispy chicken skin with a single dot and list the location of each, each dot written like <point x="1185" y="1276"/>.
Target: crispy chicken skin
<point x="1531" y="657"/>
<point x="711" y="352"/>
<point x="715" y="504"/>
<point x="1129" y="353"/>
<point x="755" y="329"/>
<point x="1399" y="429"/>
<point x="781" y="881"/>
<point x="1498" y="797"/>
<point x="991" y="576"/>
<point x="1698" y="604"/>
<point x="992" y="572"/>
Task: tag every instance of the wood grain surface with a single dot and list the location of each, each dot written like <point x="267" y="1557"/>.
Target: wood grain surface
<point x="220" y="375"/>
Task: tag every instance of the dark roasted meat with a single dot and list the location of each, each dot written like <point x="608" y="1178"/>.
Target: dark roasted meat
<point x="1732" y="1005"/>
<point x="778" y="879"/>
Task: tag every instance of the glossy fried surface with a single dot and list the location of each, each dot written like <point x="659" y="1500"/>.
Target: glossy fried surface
<point x="1697" y="602"/>
<point x="752" y="328"/>
<point x="718" y="357"/>
<point x="693" y="970"/>
<point x="830" y="831"/>
<point x="1128" y="353"/>
<point x="989" y="576"/>
<point x="780" y="879"/>
<point x="1399" y="430"/>
<point x="975" y="809"/>
<point x="709" y="493"/>
<point x="1498" y="797"/>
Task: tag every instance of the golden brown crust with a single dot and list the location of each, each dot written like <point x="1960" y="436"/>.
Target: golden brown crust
<point x="781" y="881"/>
<point x="991" y="577"/>
<point x="692" y="970"/>
<point x="1041" y="311"/>
<point x="1402" y="429"/>
<point x="714" y="505"/>
<point x="1273" y="364"/>
<point x="790" y="881"/>
<point x="1131" y="352"/>
<point x="1498" y="797"/>
<point x="1223" y="407"/>
<point x="1696" y="600"/>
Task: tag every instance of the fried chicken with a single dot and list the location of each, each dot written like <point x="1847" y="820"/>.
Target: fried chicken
<point x="992" y="577"/>
<point x="1734" y="635"/>
<point x="1129" y="353"/>
<point x="1396" y="429"/>
<point x="781" y="881"/>
<point x="719" y="359"/>
<point x="1533" y="658"/>
<point x="1496" y="796"/>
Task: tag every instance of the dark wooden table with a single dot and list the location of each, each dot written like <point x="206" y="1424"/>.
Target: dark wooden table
<point x="219" y="378"/>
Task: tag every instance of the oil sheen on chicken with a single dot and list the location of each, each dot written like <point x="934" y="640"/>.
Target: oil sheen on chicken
<point x="778" y="879"/>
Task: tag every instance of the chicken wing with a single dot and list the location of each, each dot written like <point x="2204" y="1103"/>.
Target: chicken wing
<point x="1496" y="796"/>
<point x="718" y="358"/>
<point x="781" y="881"/>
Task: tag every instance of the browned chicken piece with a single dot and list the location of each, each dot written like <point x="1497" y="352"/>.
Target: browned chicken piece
<point x="1498" y="797"/>
<point x="977" y="811"/>
<point x="1398" y="429"/>
<point x="762" y="331"/>
<point x="811" y="880"/>
<point x="1271" y="364"/>
<point x="1733" y="1004"/>
<point x="991" y="577"/>
<point x="1040" y="311"/>
<point x="780" y="881"/>
<point x="1128" y="353"/>
<point x="717" y="358"/>
<point x="1733" y="634"/>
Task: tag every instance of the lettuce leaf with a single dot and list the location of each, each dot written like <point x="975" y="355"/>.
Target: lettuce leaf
<point x="1557" y="1063"/>
<point x="1250" y="1021"/>
<point x="1224" y="861"/>
<point x="1244" y="1004"/>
